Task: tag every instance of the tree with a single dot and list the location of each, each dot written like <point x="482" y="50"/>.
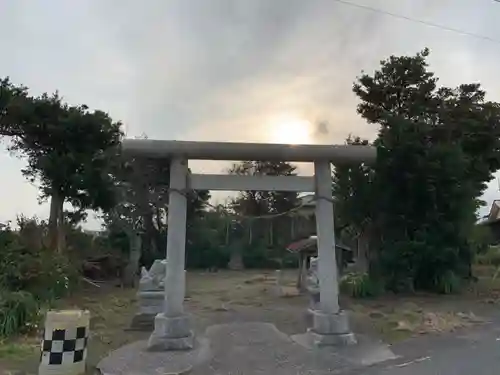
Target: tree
<point x="437" y="148"/>
<point x="354" y="205"/>
<point x="258" y="203"/>
<point x="68" y="149"/>
<point x="141" y="196"/>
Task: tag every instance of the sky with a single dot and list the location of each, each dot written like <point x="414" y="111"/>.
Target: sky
<point x="230" y="70"/>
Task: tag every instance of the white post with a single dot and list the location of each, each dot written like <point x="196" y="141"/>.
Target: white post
<point x="327" y="264"/>
<point x="176" y="240"/>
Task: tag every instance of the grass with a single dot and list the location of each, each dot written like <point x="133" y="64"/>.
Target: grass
<point x="16" y="350"/>
<point x="253" y="296"/>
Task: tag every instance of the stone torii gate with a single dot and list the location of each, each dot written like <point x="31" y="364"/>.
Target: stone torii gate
<point x="173" y="327"/>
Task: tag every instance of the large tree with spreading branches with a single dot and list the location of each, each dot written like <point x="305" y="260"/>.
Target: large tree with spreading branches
<point x="68" y="150"/>
<point x="437" y="148"/>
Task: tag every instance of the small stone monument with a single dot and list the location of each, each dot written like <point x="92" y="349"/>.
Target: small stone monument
<point x="150" y="296"/>
<point x="312" y="286"/>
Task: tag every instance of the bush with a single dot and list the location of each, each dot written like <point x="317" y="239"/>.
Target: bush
<point x="448" y="283"/>
<point x="489" y="258"/>
<point x="360" y="285"/>
<point x="19" y="312"/>
<point x="480" y="239"/>
<point x="43" y="273"/>
<point x="30" y="276"/>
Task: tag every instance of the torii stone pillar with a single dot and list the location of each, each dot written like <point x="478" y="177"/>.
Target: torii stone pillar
<point x="172" y="327"/>
<point x="330" y="324"/>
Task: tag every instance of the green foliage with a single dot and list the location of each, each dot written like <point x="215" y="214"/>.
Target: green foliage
<point x="360" y="285"/>
<point x="31" y="276"/>
<point x="448" y="283"/>
<point x="141" y="190"/>
<point x="436" y="149"/>
<point x="68" y="150"/>
<point x="489" y="258"/>
<point x="67" y="147"/>
<point x="255" y="203"/>
<point x="480" y="239"/>
<point x="259" y="255"/>
<point x="45" y="274"/>
<point x="19" y="311"/>
<point x="206" y="242"/>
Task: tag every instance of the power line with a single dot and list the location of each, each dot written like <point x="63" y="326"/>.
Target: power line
<point x="422" y="22"/>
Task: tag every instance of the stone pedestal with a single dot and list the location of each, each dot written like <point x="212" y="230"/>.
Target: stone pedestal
<point x="331" y="329"/>
<point x="151" y="303"/>
<point x="171" y="333"/>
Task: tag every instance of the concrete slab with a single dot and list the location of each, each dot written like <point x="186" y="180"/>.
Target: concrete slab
<point x="366" y="352"/>
<point x="244" y="349"/>
<point x="134" y="359"/>
<point x="261" y="349"/>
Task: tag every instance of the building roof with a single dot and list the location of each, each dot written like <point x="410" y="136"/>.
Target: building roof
<point x="307" y="200"/>
<point x="310" y="244"/>
<point x="494" y="214"/>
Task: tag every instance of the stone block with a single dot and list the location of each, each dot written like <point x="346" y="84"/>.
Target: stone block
<point x="171" y="333"/>
<point x="135" y="358"/>
<point x="330" y="324"/>
<point x="343" y="339"/>
<point x="162" y="344"/>
<point x="151" y="302"/>
<point x="143" y="322"/>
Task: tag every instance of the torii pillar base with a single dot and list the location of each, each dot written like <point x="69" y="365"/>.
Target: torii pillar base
<point x="331" y="330"/>
<point x="171" y="333"/>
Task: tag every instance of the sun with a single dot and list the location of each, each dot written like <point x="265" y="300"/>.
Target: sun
<point x="290" y="130"/>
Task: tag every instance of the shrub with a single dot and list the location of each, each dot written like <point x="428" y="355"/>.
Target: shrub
<point x="57" y="277"/>
<point x="31" y="275"/>
<point x="19" y="311"/>
<point x="360" y="285"/>
<point x="448" y="283"/>
<point x="27" y="265"/>
<point x="43" y="273"/>
<point x="480" y="239"/>
<point x="490" y="258"/>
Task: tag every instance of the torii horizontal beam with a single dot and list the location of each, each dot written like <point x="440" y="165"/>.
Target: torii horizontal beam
<point x="222" y="182"/>
<point x="190" y="150"/>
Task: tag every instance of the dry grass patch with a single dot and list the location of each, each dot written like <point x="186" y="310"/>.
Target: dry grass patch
<point x="401" y="322"/>
<point x="289" y="292"/>
<point x="220" y="291"/>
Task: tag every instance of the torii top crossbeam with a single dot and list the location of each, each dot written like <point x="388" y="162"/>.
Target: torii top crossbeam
<point x="247" y="151"/>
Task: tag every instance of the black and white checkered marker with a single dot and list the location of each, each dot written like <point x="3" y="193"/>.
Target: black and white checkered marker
<point x="64" y="346"/>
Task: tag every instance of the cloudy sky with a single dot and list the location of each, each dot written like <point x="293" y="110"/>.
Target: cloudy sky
<point x="230" y="70"/>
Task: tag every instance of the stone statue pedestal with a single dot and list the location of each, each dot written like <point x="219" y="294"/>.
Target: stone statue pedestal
<point x="150" y="304"/>
<point x="151" y="296"/>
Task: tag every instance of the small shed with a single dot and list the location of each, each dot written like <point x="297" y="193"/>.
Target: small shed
<point x="307" y="248"/>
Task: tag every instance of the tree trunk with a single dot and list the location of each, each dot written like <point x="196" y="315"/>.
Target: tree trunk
<point x="302" y="276"/>
<point x="61" y="228"/>
<point x="56" y="204"/>
<point x="362" y="263"/>
<point x="130" y="271"/>
<point x="236" y="261"/>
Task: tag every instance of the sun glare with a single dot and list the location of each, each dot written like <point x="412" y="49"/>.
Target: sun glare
<point x="290" y="130"/>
